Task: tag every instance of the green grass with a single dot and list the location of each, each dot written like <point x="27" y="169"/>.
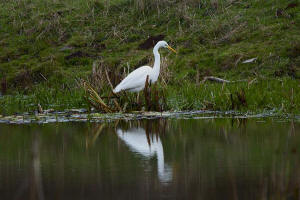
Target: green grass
<point x="45" y="45"/>
<point x="280" y="96"/>
<point x="259" y="96"/>
<point x="48" y="98"/>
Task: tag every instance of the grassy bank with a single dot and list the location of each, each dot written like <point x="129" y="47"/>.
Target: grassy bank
<point x="46" y="45"/>
<point x="258" y="96"/>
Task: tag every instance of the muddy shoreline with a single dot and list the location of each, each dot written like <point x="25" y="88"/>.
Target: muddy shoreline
<point x="81" y="115"/>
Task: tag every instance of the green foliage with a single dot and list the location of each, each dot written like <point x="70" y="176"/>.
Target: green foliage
<point x="50" y="43"/>
<point x="262" y="95"/>
<point x="48" y="98"/>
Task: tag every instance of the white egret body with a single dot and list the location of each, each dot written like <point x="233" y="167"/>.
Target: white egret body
<point x="135" y="81"/>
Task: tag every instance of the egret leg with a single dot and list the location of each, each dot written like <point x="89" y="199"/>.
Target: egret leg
<point x="127" y="96"/>
<point x="138" y="98"/>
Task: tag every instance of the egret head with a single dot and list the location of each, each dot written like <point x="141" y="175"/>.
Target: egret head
<point x="165" y="45"/>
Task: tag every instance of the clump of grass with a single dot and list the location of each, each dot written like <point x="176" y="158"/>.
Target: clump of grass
<point x="94" y="99"/>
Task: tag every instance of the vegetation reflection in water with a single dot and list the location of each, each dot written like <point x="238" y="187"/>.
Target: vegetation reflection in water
<point x="165" y="158"/>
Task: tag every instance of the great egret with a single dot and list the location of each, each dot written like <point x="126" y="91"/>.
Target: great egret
<point x="135" y="81"/>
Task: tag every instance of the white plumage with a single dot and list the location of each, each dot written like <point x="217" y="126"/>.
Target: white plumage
<point x="135" y="81"/>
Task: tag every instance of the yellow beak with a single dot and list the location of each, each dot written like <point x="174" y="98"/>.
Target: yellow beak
<point x="170" y="48"/>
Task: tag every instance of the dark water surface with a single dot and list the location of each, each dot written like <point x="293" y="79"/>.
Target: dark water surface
<point x="151" y="159"/>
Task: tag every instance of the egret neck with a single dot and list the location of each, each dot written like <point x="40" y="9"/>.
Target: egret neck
<point x="156" y="67"/>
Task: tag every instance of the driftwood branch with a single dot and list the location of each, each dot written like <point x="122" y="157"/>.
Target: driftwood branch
<point x="215" y="79"/>
<point x="219" y="80"/>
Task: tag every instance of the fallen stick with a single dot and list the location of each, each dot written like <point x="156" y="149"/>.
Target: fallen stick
<point x="219" y="80"/>
<point x="216" y="79"/>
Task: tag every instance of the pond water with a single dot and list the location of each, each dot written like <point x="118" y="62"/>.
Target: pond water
<point x="151" y="159"/>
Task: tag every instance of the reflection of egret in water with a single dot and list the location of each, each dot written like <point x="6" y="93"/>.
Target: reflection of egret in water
<point x="139" y="141"/>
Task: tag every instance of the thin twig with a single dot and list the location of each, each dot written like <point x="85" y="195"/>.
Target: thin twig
<point x="43" y="77"/>
<point x="108" y="80"/>
<point x="112" y="88"/>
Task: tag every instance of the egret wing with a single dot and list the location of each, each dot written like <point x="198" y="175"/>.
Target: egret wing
<point x="135" y="79"/>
